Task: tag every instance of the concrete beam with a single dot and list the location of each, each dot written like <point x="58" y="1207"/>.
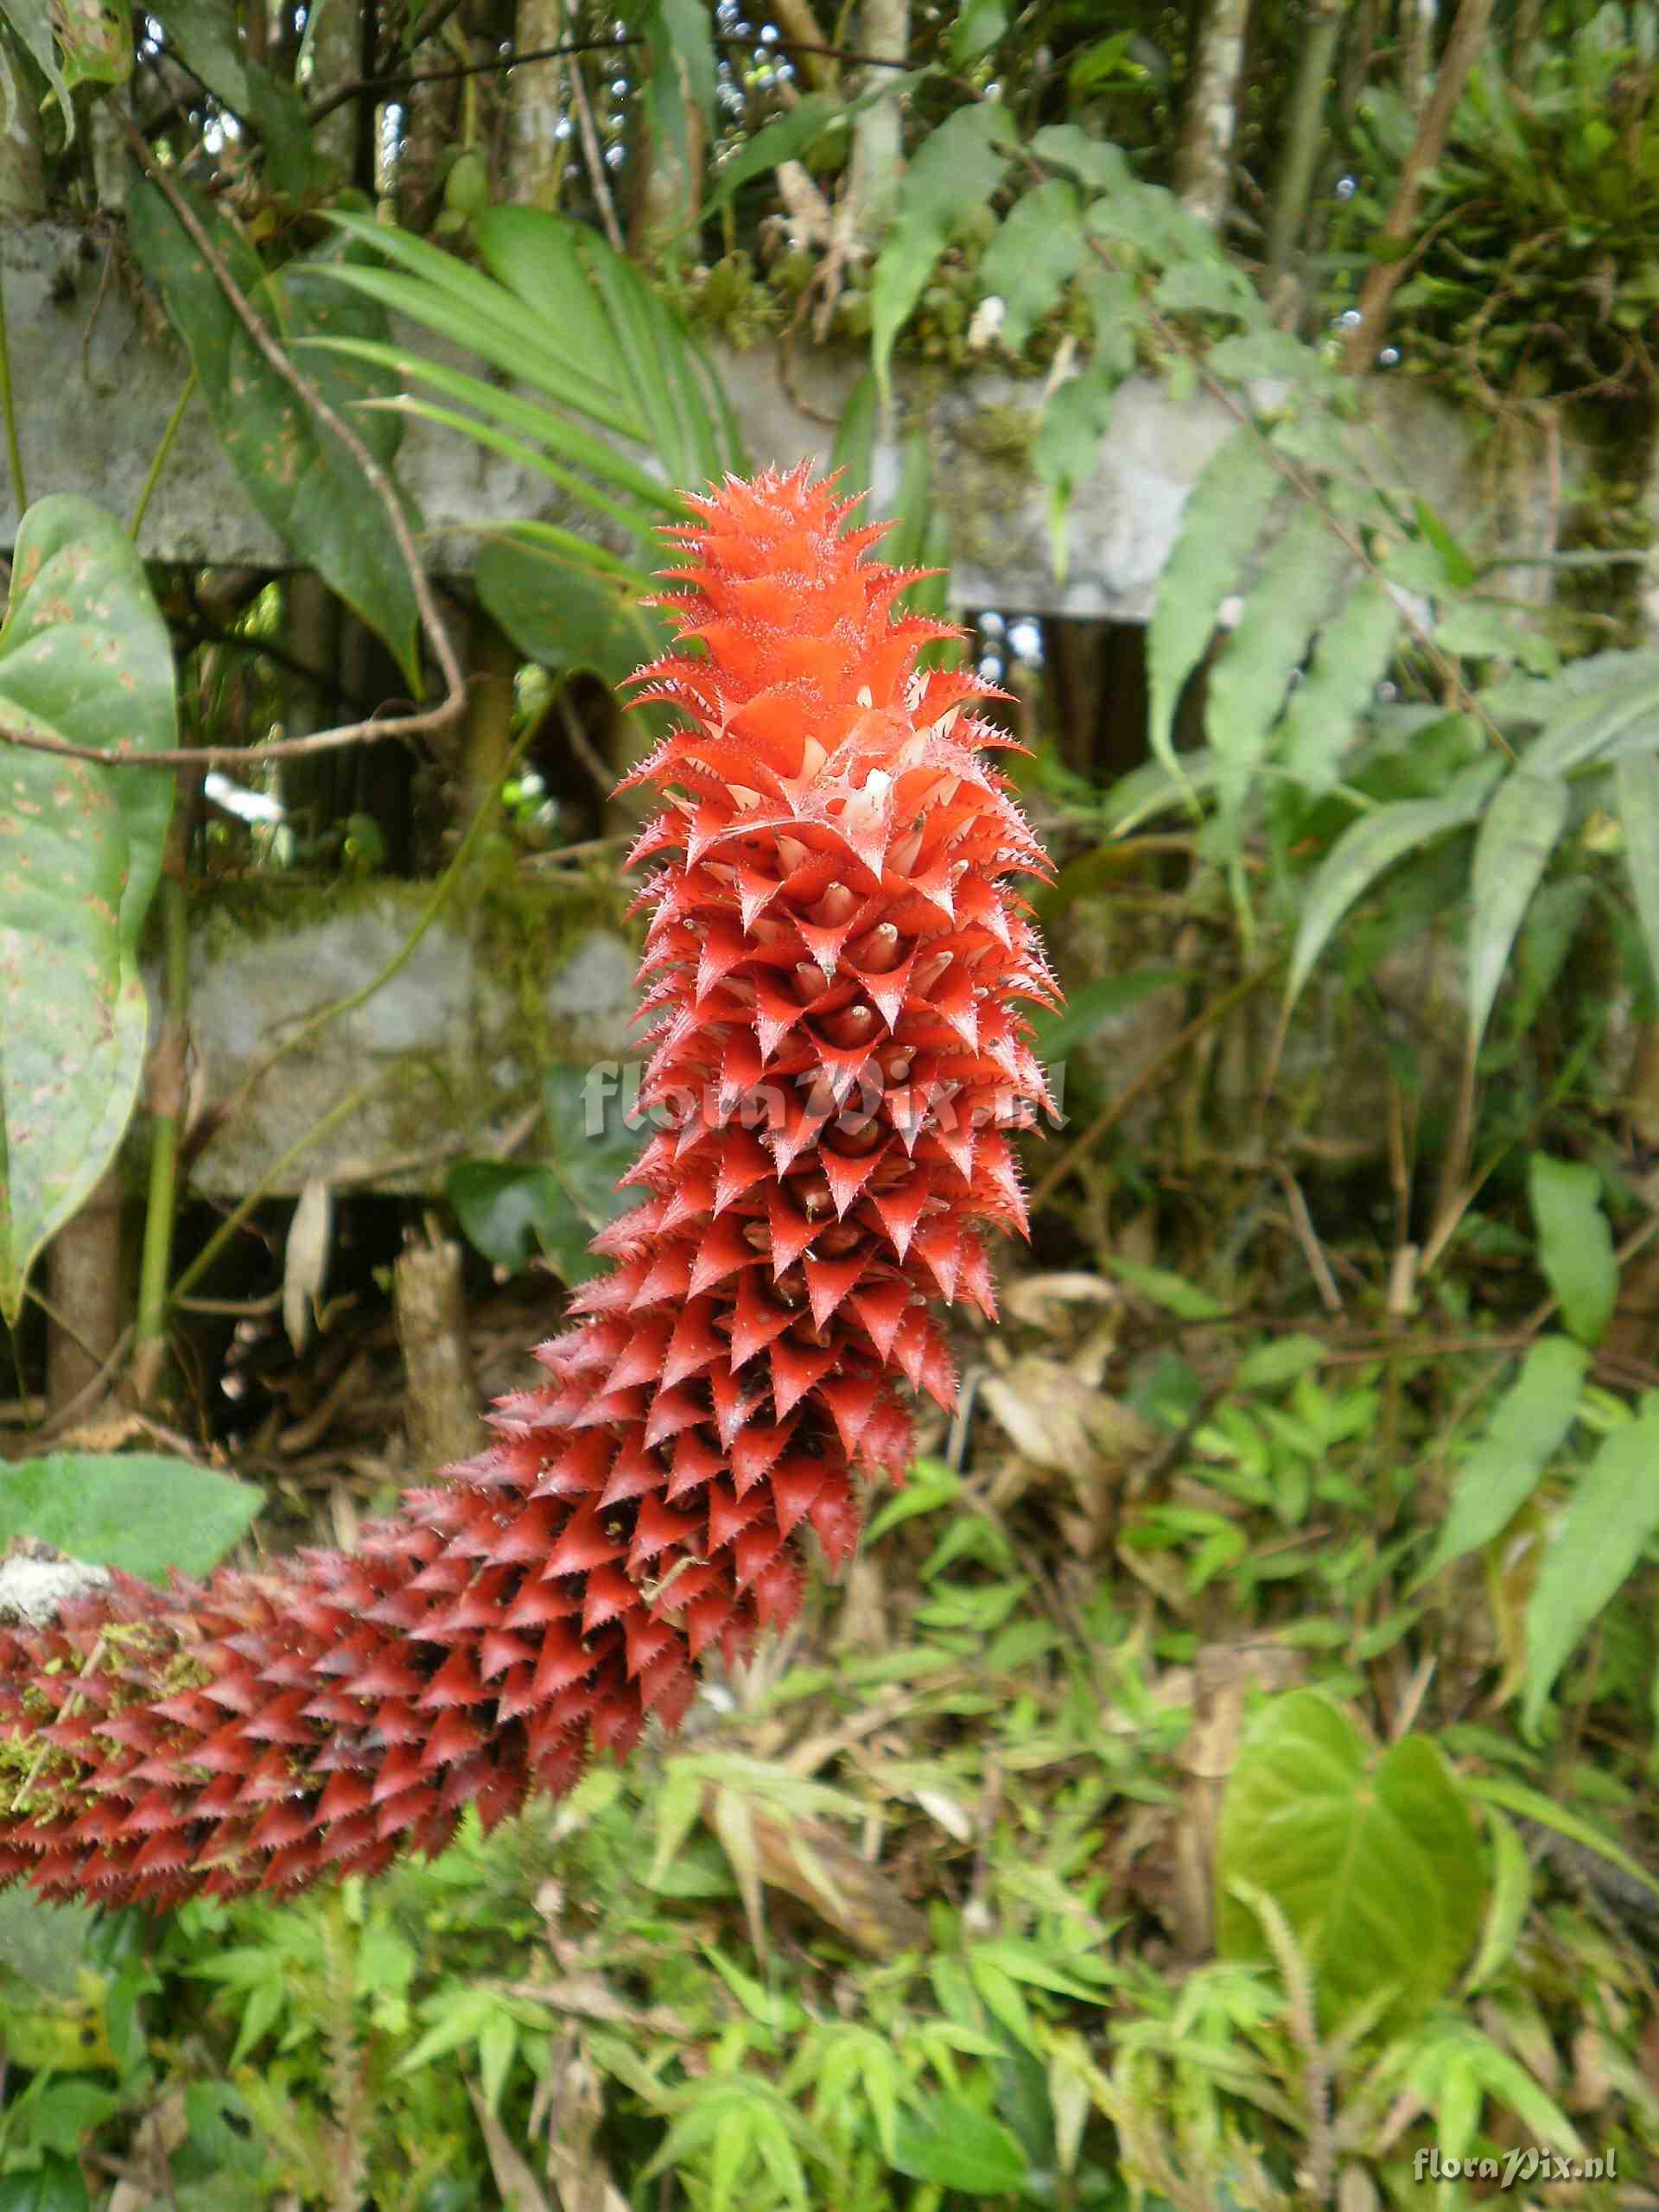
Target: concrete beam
<point x="97" y="373"/>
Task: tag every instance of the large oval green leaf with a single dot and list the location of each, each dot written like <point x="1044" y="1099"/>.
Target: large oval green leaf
<point x="297" y="473"/>
<point x="1374" y="1866"/>
<point x="136" y="1510"/>
<point x="84" y="656"/>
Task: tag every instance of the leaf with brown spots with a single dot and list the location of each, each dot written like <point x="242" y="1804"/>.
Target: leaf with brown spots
<point x="84" y="655"/>
<point x="297" y="474"/>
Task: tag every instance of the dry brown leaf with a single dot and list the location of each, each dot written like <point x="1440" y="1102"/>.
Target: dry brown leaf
<point x="808" y="1860"/>
<point x="568" y="2109"/>
<point x="1041" y="1301"/>
<point x="305" y="1259"/>
<point x="1051" y="1416"/>
<point x="1224" y="1675"/>
<point x="590" y="1997"/>
<point x="520" y="2190"/>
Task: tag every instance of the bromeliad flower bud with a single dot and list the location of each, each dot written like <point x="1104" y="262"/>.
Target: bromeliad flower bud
<point x="836" y="963"/>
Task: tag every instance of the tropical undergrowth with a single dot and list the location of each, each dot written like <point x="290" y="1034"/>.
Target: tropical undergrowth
<point x="1220" y="1782"/>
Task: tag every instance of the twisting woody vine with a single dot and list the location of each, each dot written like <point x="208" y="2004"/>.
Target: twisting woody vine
<point x="836" y="963"/>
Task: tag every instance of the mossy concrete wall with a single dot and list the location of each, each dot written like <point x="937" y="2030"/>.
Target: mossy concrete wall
<point x="97" y="374"/>
<point x="511" y="978"/>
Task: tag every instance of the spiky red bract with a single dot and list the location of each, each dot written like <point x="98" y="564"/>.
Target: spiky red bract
<point x="836" y="963"/>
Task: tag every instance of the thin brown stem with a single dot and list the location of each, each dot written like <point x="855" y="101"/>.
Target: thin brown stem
<point x="1461" y="50"/>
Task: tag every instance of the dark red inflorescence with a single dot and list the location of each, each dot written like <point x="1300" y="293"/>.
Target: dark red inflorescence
<point x="835" y="962"/>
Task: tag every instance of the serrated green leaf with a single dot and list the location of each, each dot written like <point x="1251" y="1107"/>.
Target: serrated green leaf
<point x="1250" y="678"/>
<point x="1067" y="450"/>
<point x="1477" y="630"/>
<point x="956" y="169"/>
<point x="1373" y="1863"/>
<point x="1533" y="1805"/>
<point x="1207" y="288"/>
<point x="1590" y="724"/>
<point x="1366" y="849"/>
<point x="1099" y="164"/>
<point x="1528" y="1427"/>
<point x="1508" y="1906"/>
<point x="1520" y="830"/>
<point x="1033" y="257"/>
<point x="1613" y="1512"/>
<point x="1636" y="780"/>
<point x="1265" y="354"/>
<point x="1575" y="1245"/>
<point x="1350" y="657"/>
<point x="136" y="1510"/>
<point x="1221" y="523"/>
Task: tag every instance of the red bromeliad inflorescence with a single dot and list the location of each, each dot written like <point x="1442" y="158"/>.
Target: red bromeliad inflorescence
<point x="837" y="964"/>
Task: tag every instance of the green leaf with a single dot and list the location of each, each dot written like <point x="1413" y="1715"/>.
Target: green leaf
<point x="1637" y="779"/>
<point x="559" y="1207"/>
<point x="1222" y="518"/>
<point x="1252" y="673"/>
<point x="1095" y="162"/>
<point x="1254" y="353"/>
<point x="55" y="2185"/>
<point x="568" y="616"/>
<point x="1152" y="220"/>
<point x="1067" y="450"/>
<point x="1519" y="832"/>
<point x="202" y="33"/>
<point x="1613" y="1512"/>
<point x="1279" y="1361"/>
<point x="45" y="1944"/>
<point x="1575" y="1245"/>
<point x="33" y="21"/>
<point x="785" y="138"/>
<point x="978" y="27"/>
<point x="682" y="77"/>
<point x="1369" y="847"/>
<point x="1533" y="1805"/>
<point x="297" y="475"/>
<point x="1208" y="288"/>
<point x="956" y="168"/>
<point x="1510" y="1902"/>
<point x="1455" y="564"/>
<point x="1528" y="1425"/>
<point x="1053" y="1035"/>
<point x="1592" y="722"/>
<point x="1173" y="1292"/>
<point x="1033" y="257"/>
<point x="1350" y="657"/>
<point x="953" y="2143"/>
<point x="136" y="1511"/>
<point x="1374" y="1865"/>
<point x="84" y="656"/>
